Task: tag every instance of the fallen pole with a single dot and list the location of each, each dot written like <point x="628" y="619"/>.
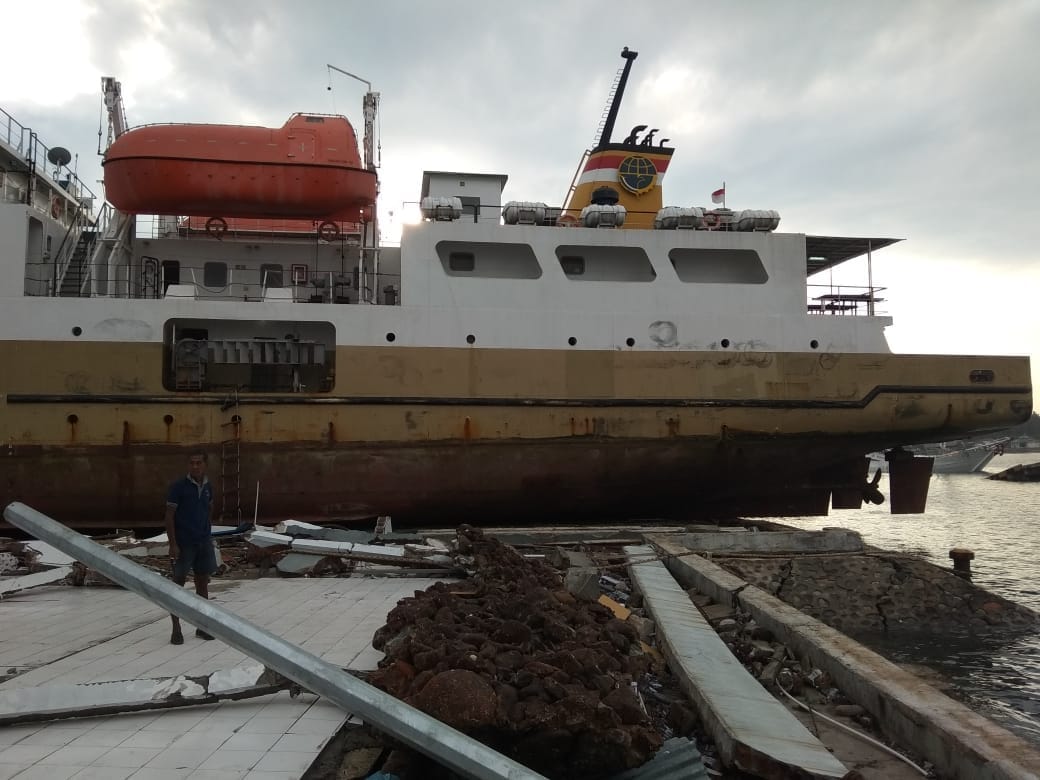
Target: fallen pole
<point x="416" y="729"/>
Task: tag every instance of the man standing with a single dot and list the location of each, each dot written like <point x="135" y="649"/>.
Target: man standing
<point x="189" y="512"/>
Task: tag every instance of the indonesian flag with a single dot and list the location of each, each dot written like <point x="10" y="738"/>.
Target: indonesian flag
<point x="719" y="196"/>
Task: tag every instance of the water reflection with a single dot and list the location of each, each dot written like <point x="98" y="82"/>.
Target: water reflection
<point x="996" y="675"/>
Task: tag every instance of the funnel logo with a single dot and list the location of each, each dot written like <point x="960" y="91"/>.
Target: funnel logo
<point x="637" y="174"/>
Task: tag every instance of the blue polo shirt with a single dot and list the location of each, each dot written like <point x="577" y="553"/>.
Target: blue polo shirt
<point x="192" y="501"/>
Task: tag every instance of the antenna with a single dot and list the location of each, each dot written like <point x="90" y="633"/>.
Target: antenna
<point x="617" y="93"/>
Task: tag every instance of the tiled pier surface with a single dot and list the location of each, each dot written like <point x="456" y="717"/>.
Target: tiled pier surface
<point x="79" y="635"/>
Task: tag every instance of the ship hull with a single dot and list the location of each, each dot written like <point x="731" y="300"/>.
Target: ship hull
<point x="424" y="434"/>
<point x="483" y="483"/>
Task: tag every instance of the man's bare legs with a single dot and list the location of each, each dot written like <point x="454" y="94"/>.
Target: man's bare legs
<point x="202" y="589"/>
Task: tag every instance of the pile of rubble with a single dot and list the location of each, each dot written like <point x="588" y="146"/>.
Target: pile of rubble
<point x="514" y="659"/>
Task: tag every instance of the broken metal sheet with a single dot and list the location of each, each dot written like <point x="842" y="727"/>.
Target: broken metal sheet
<point x="450" y="747"/>
<point x="53" y="702"/>
<point x="753" y="731"/>
<point x="677" y="759"/>
<point x="11" y="585"/>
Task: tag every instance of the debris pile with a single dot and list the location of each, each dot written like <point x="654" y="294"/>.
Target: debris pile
<point x="514" y="659"/>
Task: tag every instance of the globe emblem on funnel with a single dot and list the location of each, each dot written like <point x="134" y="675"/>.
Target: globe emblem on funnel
<point x="637" y="174"/>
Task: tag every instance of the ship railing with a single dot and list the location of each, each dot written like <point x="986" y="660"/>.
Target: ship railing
<point x="158" y="280"/>
<point x="24" y="142"/>
<point x="155" y="226"/>
<point x="844" y="300"/>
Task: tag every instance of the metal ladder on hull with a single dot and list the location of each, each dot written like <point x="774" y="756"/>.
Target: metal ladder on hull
<point x="231" y="463"/>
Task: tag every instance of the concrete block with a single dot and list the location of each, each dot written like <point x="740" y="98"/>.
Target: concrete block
<point x="583" y="583"/>
<point x="771" y="542"/>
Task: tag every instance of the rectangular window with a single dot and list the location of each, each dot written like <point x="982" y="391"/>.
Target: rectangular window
<point x="214" y="274"/>
<point x="299" y="273"/>
<point x="572" y="265"/>
<point x="271" y="275"/>
<point x="463" y="262"/>
<point x="488" y="260"/>
<point x="595" y="263"/>
<point x="718" y="266"/>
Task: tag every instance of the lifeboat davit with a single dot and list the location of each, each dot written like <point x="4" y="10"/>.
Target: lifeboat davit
<point x="308" y="168"/>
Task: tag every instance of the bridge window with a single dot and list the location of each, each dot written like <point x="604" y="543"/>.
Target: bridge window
<point x="718" y="266"/>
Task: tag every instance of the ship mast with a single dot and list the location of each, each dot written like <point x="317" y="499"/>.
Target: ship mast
<point x="619" y="92"/>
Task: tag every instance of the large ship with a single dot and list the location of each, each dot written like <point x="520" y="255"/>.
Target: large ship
<point x="611" y="357"/>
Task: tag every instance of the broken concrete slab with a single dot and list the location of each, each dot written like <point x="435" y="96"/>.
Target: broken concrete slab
<point x="829" y="540"/>
<point x="10" y="585"/>
<point x="55" y="702"/>
<point x="753" y="731"/>
<point x="298" y="564"/>
<point x="395" y="555"/>
<point x="715" y="612"/>
<point x="563" y="558"/>
<point x="962" y="744"/>
<point x="583" y="583"/>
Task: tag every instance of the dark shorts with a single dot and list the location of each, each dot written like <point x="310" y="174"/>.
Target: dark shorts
<point x="200" y="558"/>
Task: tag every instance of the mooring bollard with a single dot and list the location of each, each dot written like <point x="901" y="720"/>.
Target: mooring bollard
<point x="962" y="562"/>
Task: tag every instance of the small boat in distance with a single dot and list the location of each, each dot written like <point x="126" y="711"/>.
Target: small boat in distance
<point x="951" y="457"/>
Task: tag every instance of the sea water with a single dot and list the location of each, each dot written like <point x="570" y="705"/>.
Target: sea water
<point x="998" y="521"/>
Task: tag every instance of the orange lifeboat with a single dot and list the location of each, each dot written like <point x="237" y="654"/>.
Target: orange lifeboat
<point x="308" y="168"/>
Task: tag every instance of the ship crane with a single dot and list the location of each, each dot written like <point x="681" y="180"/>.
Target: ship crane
<point x="113" y="92"/>
<point x="372" y="149"/>
<point x="370" y="107"/>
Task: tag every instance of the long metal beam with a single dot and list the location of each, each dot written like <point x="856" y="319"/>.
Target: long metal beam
<point x="418" y="730"/>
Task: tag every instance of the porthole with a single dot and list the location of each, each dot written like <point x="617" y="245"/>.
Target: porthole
<point x="572" y="341"/>
<point x="391" y="337"/>
<point x="814" y="343"/>
<point x="471" y="339"/>
<point x="72" y="419"/>
<point x="725" y="343"/>
<point x="77" y="330"/>
<point x="167" y="418"/>
<point x="630" y="341"/>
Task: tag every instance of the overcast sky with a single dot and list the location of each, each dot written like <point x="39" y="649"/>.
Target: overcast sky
<point x="918" y="120"/>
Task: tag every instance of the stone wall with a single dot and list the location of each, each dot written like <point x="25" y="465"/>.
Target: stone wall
<point x="874" y="593"/>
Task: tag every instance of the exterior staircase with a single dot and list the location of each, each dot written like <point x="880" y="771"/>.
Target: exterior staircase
<point x="75" y="273"/>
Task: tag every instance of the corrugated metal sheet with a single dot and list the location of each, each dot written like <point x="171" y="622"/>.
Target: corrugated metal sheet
<point x="678" y="759"/>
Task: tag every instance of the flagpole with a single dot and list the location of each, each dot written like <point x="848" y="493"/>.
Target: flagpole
<point x="723" y="193"/>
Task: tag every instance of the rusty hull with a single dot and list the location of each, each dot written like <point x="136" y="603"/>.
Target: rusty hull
<point x="477" y="482"/>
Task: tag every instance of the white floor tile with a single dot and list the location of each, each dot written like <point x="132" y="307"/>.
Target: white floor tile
<point x="103" y="773"/>
<point x="7" y="771"/>
<point x="178" y="759"/>
<point x="151" y="773"/>
<point x="48" y="772"/>
<point x="81" y="756"/>
<point x="232" y="759"/>
<point x="259" y="743"/>
<point x="53" y="735"/>
<point x="27" y="754"/>
<point x="132" y="758"/>
<point x="286" y="761"/>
